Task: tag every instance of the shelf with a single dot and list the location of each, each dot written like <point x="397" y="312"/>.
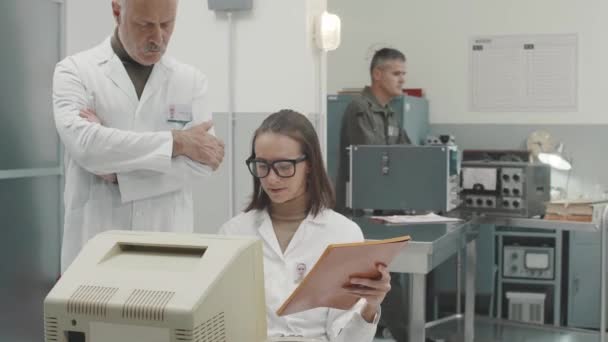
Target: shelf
<point x="528" y="281"/>
<point x="537" y="223"/>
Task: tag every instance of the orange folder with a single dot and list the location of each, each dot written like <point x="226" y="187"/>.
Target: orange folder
<point x="325" y="285"/>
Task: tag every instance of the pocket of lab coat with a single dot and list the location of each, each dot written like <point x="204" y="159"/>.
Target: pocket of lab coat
<point x="94" y="218"/>
<point x="98" y="213"/>
<point x="81" y="224"/>
<point x="74" y="236"/>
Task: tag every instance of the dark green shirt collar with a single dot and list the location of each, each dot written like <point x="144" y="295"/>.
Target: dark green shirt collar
<point x="373" y="103"/>
<point x="138" y="73"/>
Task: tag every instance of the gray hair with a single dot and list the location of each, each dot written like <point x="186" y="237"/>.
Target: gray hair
<point x="383" y="55"/>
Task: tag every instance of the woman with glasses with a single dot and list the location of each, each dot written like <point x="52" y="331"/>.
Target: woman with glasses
<point x="290" y="211"/>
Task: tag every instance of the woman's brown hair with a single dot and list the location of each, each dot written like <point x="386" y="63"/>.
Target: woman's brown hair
<point x="296" y="126"/>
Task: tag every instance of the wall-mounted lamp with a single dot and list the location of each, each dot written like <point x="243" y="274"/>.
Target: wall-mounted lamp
<point x="327" y="31"/>
<point x="556" y="159"/>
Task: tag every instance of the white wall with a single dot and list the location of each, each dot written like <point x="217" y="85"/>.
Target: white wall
<point x="87" y="23"/>
<point x="276" y="66"/>
<point x="275" y="61"/>
<point x="434" y="35"/>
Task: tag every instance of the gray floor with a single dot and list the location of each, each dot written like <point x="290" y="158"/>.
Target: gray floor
<point x="487" y="330"/>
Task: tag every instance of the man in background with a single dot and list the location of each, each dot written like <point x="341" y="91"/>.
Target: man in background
<point x="369" y="120"/>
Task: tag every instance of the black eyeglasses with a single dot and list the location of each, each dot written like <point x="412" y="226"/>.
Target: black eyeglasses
<point x="283" y="168"/>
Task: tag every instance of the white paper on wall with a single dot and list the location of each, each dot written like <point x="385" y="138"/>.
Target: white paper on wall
<point x="524" y="73"/>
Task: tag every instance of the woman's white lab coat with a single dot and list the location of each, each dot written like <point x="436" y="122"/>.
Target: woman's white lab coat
<point x="134" y="142"/>
<point x="281" y="274"/>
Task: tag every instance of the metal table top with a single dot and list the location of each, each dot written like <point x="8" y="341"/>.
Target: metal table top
<point x="538" y="223"/>
<point x="497" y="330"/>
<point x="431" y="244"/>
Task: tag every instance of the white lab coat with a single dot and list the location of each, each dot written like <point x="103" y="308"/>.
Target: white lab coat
<point x="280" y="274"/>
<point x="134" y="141"/>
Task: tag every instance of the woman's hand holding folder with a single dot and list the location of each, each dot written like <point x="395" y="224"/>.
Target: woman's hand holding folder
<point x="373" y="290"/>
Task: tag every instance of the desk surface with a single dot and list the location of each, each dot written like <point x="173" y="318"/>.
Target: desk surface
<point x="420" y="233"/>
<point x="430" y="246"/>
<point x="496" y="330"/>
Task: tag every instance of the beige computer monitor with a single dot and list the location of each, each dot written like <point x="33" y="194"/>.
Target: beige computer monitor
<point x="160" y="287"/>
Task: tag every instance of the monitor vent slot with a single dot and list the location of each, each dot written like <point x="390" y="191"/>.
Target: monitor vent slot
<point x="50" y="329"/>
<point x="90" y="300"/>
<point x="213" y="330"/>
<point x="146" y="305"/>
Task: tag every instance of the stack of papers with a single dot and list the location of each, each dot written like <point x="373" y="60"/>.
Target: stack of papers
<point x="580" y="210"/>
<point x="401" y="219"/>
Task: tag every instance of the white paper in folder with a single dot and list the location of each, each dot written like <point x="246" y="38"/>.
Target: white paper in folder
<point x="474" y="177"/>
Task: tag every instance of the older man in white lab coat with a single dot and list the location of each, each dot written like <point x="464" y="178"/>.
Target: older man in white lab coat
<point x="135" y="130"/>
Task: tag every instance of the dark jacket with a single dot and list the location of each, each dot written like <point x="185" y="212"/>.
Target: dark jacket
<point x="365" y="122"/>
